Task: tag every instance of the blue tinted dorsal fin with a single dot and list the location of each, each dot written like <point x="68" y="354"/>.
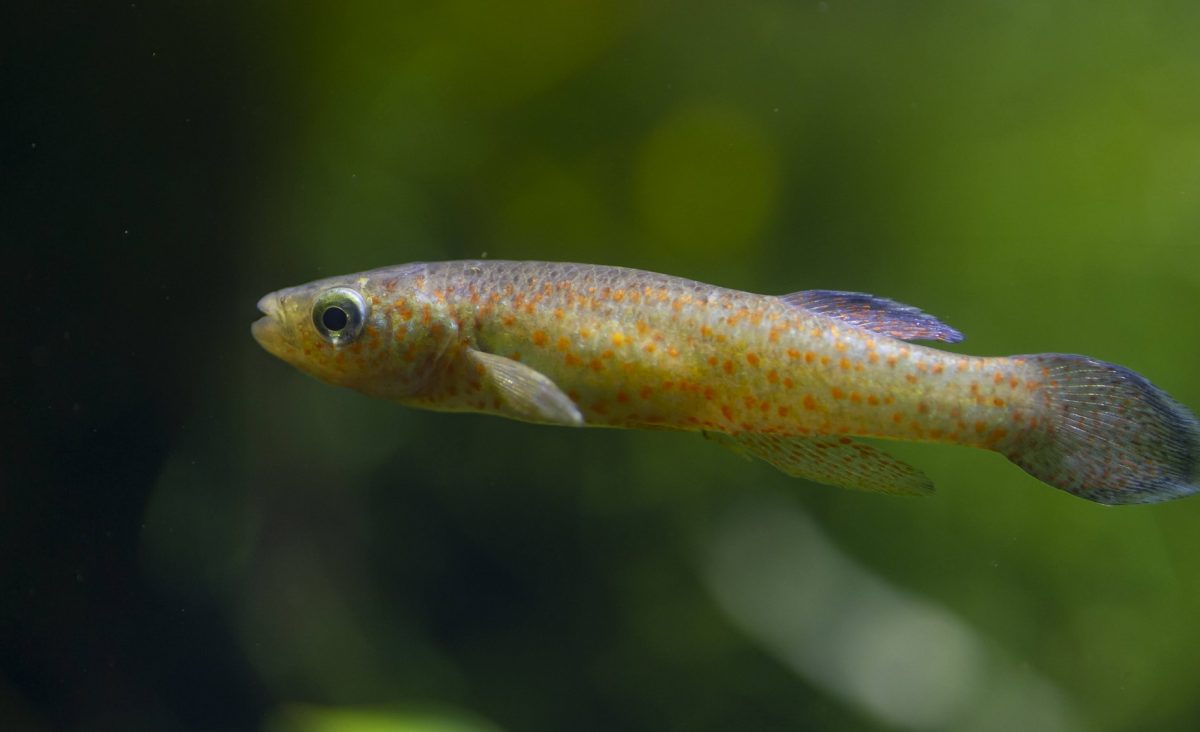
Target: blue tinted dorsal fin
<point x="874" y="313"/>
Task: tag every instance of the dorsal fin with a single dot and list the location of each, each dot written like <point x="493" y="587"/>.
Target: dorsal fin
<point x="874" y="313"/>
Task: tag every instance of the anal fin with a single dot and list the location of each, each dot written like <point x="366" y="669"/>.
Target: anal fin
<point x="832" y="460"/>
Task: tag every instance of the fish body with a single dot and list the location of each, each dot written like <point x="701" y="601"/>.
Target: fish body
<point x="791" y="379"/>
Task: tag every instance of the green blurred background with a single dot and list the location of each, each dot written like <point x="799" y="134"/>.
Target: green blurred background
<point x="196" y="537"/>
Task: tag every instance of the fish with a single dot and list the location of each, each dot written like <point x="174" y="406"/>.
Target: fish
<point x="795" y="380"/>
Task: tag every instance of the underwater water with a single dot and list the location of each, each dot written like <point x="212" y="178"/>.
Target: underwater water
<point x="196" y="536"/>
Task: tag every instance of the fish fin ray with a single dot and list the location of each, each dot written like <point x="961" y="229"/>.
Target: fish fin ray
<point x="879" y="314"/>
<point x="1109" y="435"/>
<point x="832" y="460"/>
<point x="527" y="394"/>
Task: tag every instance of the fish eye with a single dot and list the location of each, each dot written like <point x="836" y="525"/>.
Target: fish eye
<point x="339" y="315"/>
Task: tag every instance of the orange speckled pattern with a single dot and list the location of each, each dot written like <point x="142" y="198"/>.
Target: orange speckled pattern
<point x="636" y="349"/>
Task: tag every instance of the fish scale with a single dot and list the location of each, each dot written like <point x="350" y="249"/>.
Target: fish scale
<point x="790" y="379"/>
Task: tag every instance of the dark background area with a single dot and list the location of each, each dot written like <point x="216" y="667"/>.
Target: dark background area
<point x="193" y="537"/>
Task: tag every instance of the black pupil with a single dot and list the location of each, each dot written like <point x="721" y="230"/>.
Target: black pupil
<point x="334" y="318"/>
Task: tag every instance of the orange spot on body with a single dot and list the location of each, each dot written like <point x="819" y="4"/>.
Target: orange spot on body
<point x="618" y="339"/>
<point x="998" y="402"/>
<point x="727" y="412"/>
<point x="539" y="338"/>
<point x="772" y="376"/>
<point x="646" y="392"/>
<point x="980" y="427"/>
<point x="752" y="359"/>
<point x="898" y="417"/>
<point x="622" y="397"/>
<point x="922" y="408"/>
<point x="809" y="403"/>
<point x="838" y="393"/>
<point x="873" y="400"/>
<point x="788" y="383"/>
<point x="709" y="393"/>
<point x="728" y="367"/>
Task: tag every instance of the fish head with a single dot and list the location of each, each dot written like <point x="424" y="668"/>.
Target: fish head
<point x="376" y="332"/>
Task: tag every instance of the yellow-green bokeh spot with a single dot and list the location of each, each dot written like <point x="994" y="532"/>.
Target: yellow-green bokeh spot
<point x="308" y="718"/>
<point x="706" y="180"/>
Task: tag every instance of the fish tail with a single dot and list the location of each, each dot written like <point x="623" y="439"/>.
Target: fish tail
<point x="1107" y="434"/>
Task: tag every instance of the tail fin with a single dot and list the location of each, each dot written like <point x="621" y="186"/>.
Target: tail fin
<point x="1109" y="435"/>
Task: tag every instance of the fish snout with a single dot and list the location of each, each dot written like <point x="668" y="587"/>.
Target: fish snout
<point x="268" y="330"/>
<point x="269" y="304"/>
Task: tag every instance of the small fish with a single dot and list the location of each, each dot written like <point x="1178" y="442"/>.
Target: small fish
<point x="790" y="379"/>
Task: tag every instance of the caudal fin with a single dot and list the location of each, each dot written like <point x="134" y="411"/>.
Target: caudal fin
<point x="1109" y="435"/>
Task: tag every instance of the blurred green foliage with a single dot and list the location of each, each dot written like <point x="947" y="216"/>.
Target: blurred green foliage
<point x="1029" y="171"/>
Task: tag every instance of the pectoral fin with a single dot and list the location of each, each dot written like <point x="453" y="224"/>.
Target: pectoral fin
<point x="832" y="460"/>
<point x="525" y="393"/>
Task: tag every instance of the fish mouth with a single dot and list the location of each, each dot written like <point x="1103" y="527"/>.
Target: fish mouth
<point x="268" y="330"/>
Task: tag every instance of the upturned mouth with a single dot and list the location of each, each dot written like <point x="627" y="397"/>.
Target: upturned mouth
<point x="268" y="330"/>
